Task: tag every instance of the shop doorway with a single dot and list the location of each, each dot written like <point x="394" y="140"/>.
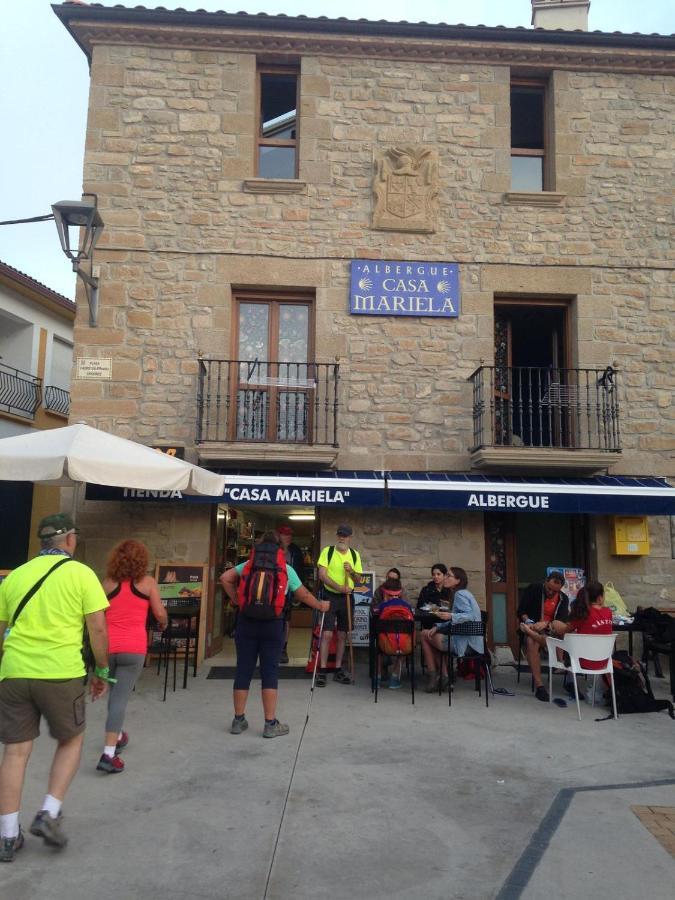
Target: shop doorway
<point x="519" y="549"/>
<point x="234" y="532"/>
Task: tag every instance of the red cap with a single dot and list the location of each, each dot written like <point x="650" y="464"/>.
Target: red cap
<point x="284" y="529"/>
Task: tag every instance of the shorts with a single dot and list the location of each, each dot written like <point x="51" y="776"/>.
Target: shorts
<point x="338" y="611"/>
<point x="24" y="700"/>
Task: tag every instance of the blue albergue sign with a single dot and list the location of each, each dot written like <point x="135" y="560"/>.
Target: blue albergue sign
<point x="390" y="288"/>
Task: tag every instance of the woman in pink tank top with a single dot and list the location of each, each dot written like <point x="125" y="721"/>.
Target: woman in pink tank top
<point x="132" y="594"/>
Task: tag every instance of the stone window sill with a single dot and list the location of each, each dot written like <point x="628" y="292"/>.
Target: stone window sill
<point x="275" y="186"/>
<point x="534" y="198"/>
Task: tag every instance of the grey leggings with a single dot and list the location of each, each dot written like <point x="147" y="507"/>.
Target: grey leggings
<point x="125" y="667"/>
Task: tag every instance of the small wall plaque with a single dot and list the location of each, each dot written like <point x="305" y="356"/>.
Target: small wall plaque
<point x="92" y="368"/>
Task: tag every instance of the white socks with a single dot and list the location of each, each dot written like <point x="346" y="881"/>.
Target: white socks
<point x="9" y="825"/>
<point x="52" y="806"/>
<point x="109" y="750"/>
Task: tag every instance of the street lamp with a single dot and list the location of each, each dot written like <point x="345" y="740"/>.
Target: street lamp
<point x="83" y="215"/>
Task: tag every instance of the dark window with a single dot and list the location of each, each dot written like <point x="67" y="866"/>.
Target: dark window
<point x="528" y="137"/>
<point x="277" y="128"/>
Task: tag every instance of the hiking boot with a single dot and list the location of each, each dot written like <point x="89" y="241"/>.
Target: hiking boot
<point x="275" y="729"/>
<point x="432" y="683"/>
<point x="321" y="680"/>
<point x="9" y="847"/>
<point x="284" y="656"/>
<point x="394" y="683"/>
<point x="111" y="765"/>
<point x="542" y="694"/>
<point x="44" y="826"/>
<point x="238" y="725"/>
<point x="122" y="742"/>
<point x="342" y="677"/>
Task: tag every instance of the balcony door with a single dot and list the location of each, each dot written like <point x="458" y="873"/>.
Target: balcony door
<point x="531" y="354"/>
<point x="274" y="385"/>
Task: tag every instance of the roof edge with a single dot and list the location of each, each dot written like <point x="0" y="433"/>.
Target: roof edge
<point x="97" y="13"/>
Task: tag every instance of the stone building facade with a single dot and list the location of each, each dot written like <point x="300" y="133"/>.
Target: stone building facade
<point x="192" y="229"/>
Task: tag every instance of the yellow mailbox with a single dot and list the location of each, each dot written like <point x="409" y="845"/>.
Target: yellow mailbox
<point x="629" y="536"/>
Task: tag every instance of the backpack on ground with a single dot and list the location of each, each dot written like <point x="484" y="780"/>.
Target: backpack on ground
<point x="263" y="583"/>
<point x="633" y="690"/>
<point x="394" y="607"/>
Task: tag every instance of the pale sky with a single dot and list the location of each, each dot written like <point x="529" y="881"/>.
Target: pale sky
<point x="44" y="84"/>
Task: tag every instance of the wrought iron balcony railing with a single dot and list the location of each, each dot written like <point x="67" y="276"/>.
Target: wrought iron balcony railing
<point x="263" y="401"/>
<point x="20" y="392"/>
<point x="524" y="406"/>
<point x="57" y="400"/>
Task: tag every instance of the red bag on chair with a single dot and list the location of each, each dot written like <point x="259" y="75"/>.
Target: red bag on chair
<point x="389" y="643"/>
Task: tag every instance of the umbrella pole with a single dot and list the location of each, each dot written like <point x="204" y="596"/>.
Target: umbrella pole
<point x="76" y="497"/>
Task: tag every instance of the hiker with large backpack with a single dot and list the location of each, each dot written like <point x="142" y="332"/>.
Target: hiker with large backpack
<point x="339" y="569"/>
<point x="261" y="588"/>
<point x="390" y="602"/>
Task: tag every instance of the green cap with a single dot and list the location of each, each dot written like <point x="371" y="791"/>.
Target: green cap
<point x="52" y="526"/>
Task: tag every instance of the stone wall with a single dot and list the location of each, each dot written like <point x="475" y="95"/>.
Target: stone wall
<point x="170" y="138"/>
<point x="413" y="541"/>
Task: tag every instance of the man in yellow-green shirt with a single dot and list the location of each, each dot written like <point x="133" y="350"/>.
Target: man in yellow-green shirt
<point x="44" y="607"/>
<point x="339" y="569"/>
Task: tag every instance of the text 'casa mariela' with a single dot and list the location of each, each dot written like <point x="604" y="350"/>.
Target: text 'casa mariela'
<point x="404" y="288"/>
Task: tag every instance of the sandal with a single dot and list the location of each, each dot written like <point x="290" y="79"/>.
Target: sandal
<point x="342" y="677"/>
<point x="321" y="679"/>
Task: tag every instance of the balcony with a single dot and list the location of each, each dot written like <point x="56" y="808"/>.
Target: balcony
<point x="545" y="418"/>
<point x="57" y="400"/>
<point x="267" y="413"/>
<point x="20" y="392"/>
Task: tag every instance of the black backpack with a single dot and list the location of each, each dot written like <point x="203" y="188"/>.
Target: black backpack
<point x="632" y="688"/>
<point x="658" y="625"/>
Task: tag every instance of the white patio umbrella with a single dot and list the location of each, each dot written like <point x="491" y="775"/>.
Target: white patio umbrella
<point x="78" y="453"/>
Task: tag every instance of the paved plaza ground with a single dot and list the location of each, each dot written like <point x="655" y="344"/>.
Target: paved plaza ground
<point x="388" y="801"/>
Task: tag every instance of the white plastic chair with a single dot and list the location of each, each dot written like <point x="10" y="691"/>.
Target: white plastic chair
<point x="592" y="647"/>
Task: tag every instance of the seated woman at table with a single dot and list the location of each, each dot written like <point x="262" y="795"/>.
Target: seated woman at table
<point x="131" y="592"/>
<point x="390" y="593"/>
<point x="434" y="640"/>
<point x="435" y="592"/>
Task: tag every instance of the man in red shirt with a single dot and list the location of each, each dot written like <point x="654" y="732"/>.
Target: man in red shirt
<point x="543" y="609"/>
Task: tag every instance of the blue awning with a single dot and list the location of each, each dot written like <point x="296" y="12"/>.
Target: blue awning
<point x="317" y="488"/>
<point x="613" y="494"/>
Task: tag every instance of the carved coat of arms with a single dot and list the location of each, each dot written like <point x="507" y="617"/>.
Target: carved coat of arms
<point x="405" y="189"/>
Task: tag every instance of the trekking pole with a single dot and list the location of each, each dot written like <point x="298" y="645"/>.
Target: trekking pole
<point x="295" y="762"/>
<point x="349" y="637"/>
<point x="316" y="665"/>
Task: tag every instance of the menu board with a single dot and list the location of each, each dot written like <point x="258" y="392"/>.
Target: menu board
<point x="179" y="581"/>
<point x="574" y="579"/>
<point x="363" y="597"/>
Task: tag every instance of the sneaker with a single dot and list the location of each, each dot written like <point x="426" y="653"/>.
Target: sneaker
<point x="432" y="683"/>
<point x="238" y="725"/>
<point x="9" y="847"/>
<point x="111" y="765"/>
<point x="44" y="826"/>
<point x="342" y="677"/>
<point x="542" y="694"/>
<point x="394" y="683"/>
<point x="321" y="680"/>
<point x="284" y="656"/>
<point x="123" y="741"/>
<point x="275" y="729"/>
